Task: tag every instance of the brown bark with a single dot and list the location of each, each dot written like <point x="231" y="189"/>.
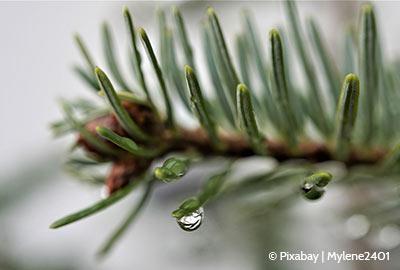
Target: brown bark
<point x="125" y="167"/>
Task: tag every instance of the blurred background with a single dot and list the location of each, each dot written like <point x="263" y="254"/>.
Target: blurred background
<point x="36" y="56"/>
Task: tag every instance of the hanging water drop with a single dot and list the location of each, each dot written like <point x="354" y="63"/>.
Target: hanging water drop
<point x="192" y="221"/>
<point x="314" y="185"/>
<point x="311" y="191"/>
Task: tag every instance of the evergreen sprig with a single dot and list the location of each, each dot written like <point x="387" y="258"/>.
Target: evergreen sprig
<point x="243" y="114"/>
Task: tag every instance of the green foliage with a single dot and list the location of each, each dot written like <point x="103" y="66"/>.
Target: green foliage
<point x="77" y="126"/>
<point x="111" y="59"/>
<point x="158" y="71"/>
<point x="123" y="116"/>
<point x="132" y="215"/>
<point x="281" y="86"/>
<point x="212" y="187"/>
<point x="329" y="67"/>
<point x="346" y="114"/>
<point x="247" y="118"/>
<point x="93" y="209"/>
<point x="183" y="37"/>
<point x="137" y="59"/>
<point x="258" y="111"/>
<point x="87" y="73"/>
<point x="127" y="144"/>
<point x="210" y="190"/>
<point x="215" y="71"/>
<point x="228" y="70"/>
<point x="172" y="169"/>
<point x="188" y="206"/>
<point x="200" y="105"/>
<point x="369" y="69"/>
<point x="316" y="110"/>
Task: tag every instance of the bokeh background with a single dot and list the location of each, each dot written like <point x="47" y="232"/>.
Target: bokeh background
<point x="36" y="55"/>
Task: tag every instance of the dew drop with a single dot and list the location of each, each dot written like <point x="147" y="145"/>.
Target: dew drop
<point x="104" y="193"/>
<point x="307" y="186"/>
<point x="311" y="191"/>
<point x="192" y="221"/>
<point x="357" y="226"/>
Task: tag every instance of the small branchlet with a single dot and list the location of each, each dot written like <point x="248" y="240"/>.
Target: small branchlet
<point x="130" y="133"/>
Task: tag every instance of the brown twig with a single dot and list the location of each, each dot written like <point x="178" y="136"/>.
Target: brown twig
<point x="126" y="166"/>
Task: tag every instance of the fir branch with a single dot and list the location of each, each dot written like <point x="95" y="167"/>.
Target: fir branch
<point x="130" y="136"/>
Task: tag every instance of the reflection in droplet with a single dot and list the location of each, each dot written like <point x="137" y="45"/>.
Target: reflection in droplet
<point x="311" y="191"/>
<point x="357" y="226"/>
<point x="104" y="193"/>
<point x="389" y="236"/>
<point x="193" y="221"/>
<point x="307" y="186"/>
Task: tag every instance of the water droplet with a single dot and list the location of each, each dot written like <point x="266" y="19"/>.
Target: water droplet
<point x="311" y="191"/>
<point x="307" y="186"/>
<point x="192" y="221"/>
<point x="389" y="236"/>
<point x="357" y="226"/>
<point x="104" y="192"/>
